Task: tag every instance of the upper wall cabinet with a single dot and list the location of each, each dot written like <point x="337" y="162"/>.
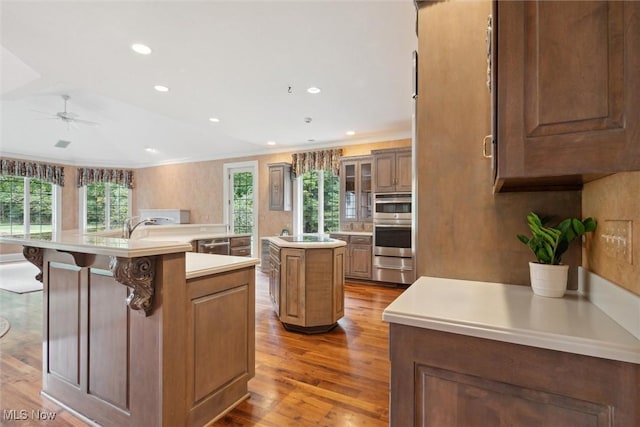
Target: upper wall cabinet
<point x="279" y="186"/>
<point x="392" y="170"/>
<point x="566" y="92"/>
<point x="355" y="189"/>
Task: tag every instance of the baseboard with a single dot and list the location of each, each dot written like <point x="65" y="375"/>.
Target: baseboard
<point x="618" y="303"/>
<point x="11" y="257"/>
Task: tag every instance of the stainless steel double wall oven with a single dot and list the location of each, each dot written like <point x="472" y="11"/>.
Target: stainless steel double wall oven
<point x="392" y="238"/>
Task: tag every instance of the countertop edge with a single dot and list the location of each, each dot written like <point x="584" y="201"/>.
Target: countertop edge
<point x="518" y="336"/>
<point x="234" y="264"/>
<point x="335" y="243"/>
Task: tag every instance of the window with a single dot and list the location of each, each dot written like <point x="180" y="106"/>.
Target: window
<point x="27" y="207"/>
<point x="318" y="208"/>
<point x="106" y="206"/>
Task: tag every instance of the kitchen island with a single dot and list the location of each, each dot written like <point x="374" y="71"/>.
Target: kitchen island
<point x="306" y="282"/>
<point x="474" y="353"/>
<point x="140" y="333"/>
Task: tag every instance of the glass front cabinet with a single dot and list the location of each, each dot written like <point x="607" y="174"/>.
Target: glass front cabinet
<point x="355" y="191"/>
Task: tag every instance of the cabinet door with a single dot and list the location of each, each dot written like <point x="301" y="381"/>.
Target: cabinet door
<point x="403" y="171"/>
<point x="279" y="187"/>
<point x="360" y="261"/>
<point x="349" y="187"/>
<point x="347" y="258"/>
<point x="384" y="169"/>
<point x="567" y="90"/>
<point x="292" y="286"/>
<point x="365" y="212"/>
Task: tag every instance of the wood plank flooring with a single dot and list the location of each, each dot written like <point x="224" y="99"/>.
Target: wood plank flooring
<point x="340" y="378"/>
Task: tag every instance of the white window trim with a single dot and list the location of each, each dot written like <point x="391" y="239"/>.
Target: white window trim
<point x="82" y="208"/>
<point x="297" y="203"/>
<point x="56" y="207"/>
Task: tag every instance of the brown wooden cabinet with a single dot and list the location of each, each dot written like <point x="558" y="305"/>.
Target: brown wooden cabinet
<point x="446" y="379"/>
<point x="358" y="255"/>
<point x="307" y="287"/>
<point x="566" y="87"/>
<point x="355" y="190"/>
<point x="240" y="246"/>
<point x="274" y="277"/>
<point x="392" y="170"/>
<point x="279" y="186"/>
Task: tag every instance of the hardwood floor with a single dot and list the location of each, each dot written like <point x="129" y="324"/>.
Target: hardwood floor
<point x="340" y="378"/>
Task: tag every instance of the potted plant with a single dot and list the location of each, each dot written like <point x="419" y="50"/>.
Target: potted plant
<point x="548" y="243"/>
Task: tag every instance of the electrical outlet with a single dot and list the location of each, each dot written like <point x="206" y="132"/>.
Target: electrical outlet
<point x="617" y="239"/>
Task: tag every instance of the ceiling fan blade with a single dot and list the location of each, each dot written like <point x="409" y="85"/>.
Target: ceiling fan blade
<point x="84" y="122"/>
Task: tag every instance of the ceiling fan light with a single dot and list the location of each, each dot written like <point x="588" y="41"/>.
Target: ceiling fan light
<point x="62" y="143"/>
<point x="140" y="48"/>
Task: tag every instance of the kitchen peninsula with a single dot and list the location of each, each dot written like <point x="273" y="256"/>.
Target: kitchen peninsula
<point x="467" y="351"/>
<point x="306" y="282"/>
<point x="143" y="333"/>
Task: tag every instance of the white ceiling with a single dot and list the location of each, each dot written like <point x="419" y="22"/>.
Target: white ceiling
<point x="234" y="60"/>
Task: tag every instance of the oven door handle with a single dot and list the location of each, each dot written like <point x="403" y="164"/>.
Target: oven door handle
<point x="391" y="225"/>
<point x="389" y="267"/>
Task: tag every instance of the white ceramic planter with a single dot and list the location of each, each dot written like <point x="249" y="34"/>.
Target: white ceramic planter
<point x="548" y="280"/>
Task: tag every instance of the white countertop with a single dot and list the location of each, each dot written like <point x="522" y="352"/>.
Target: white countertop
<point x="102" y="245"/>
<point x="189" y="237"/>
<point x="198" y="264"/>
<point x="513" y="314"/>
<point x="354" y="233"/>
<point x="330" y="243"/>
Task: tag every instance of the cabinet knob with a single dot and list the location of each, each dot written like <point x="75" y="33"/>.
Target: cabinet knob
<point x="486" y="155"/>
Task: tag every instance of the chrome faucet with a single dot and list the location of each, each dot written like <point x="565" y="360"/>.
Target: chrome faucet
<point x="128" y="228"/>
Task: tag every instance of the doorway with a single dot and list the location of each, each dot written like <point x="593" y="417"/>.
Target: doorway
<point x="240" y="197"/>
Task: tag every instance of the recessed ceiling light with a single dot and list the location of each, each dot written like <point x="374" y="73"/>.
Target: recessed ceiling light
<point x="214" y="119"/>
<point x="150" y="150"/>
<point x="350" y="132"/>
<point x="161" y="88"/>
<point x="271" y="143"/>
<point x="313" y="90"/>
<point x="140" y="48"/>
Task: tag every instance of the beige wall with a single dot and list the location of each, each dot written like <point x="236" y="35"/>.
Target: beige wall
<point x="464" y="230"/>
<point x="198" y="187"/>
<point x="616" y="197"/>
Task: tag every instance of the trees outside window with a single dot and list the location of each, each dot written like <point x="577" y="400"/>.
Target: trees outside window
<point x="26" y="207"/>
<point x="106" y="206"/>
<point x="320" y="202"/>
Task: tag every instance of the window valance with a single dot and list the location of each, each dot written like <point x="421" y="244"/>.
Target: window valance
<point x="43" y="171"/>
<point x="316" y="160"/>
<point x="88" y="176"/>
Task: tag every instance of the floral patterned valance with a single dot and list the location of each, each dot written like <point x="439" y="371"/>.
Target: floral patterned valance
<point x="88" y="176"/>
<point x="316" y="160"/>
<point x="43" y="171"/>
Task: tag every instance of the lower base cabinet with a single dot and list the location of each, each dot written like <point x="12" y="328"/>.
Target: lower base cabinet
<point x="358" y="255"/>
<point x="443" y="379"/>
<point x="307" y="287"/>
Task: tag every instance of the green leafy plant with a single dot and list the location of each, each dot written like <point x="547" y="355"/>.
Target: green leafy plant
<point x="548" y="243"/>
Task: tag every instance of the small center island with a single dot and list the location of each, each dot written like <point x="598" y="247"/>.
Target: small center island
<point x="143" y="333"/>
<point x="306" y="282"/>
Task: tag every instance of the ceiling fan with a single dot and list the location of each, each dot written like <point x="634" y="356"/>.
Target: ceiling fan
<point x="68" y="117"/>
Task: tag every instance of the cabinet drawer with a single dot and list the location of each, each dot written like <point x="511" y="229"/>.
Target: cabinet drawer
<point x="242" y="251"/>
<point x="361" y="240"/>
<point x="240" y="241"/>
<point x="343" y="237"/>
